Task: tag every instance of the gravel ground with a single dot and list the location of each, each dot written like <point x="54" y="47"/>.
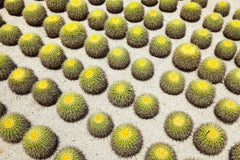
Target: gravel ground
<point x="76" y="134"/>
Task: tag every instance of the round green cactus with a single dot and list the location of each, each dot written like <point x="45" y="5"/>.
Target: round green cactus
<point x="149" y="2"/>
<point x="137" y="36"/>
<point x="178" y="125"/>
<point x="237" y="59"/>
<point x="73" y="35"/>
<point x="225" y="49"/>
<point x="232" y="30"/>
<point x="236" y="14"/>
<point x="30" y="44"/>
<point x="209" y="139"/>
<point x="234" y="152"/>
<point x="3" y="109"/>
<point x="34" y="14"/>
<point x="121" y="94"/>
<point x="191" y="12"/>
<point x="142" y="69"/>
<point x="52" y="56"/>
<point x="200" y="93"/>
<point x="232" y="81"/>
<point x="96" y="46"/>
<point x="168" y="5"/>
<point x="146" y="106"/>
<point x="116" y="27"/>
<point x="9" y="34"/>
<point x="97" y="18"/>
<point x="160" y="46"/>
<point x="7" y="65"/>
<point x="212" y="69"/>
<point x="13" y="126"/>
<point x="175" y="29"/>
<point x="134" y="12"/>
<point x="71" y="107"/>
<point x="56" y="5"/>
<point x="114" y="6"/>
<point x="202" y="38"/>
<point x="93" y="80"/>
<point x="126" y="140"/>
<point x="153" y="19"/>
<point x="160" y="151"/>
<point x="21" y="80"/>
<point x="96" y="2"/>
<point x="100" y="125"/>
<point x="227" y="110"/>
<point x="70" y="153"/>
<point x="186" y="57"/>
<point x="40" y="142"/>
<point x="72" y="68"/>
<point x="118" y="58"/>
<point x="14" y="7"/>
<point x="213" y="22"/>
<point x="172" y="82"/>
<point x="77" y="10"/>
<point x="46" y="92"/>
<point x="222" y="7"/>
<point x="202" y="3"/>
<point x="53" y="24"/>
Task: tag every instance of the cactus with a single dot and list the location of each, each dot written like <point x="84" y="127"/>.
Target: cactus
<point x="137" y="37"/>
<point x="71" y="107"/>
<point x="100" y="125"/>
<point x="118" y="58"/>
<point x="160" y="46"/>
<point x="53" y="24"/>
<point x="191" y="12"/>
<point x="34" y="14"/>
<point x="7" y="65"/>
<point x="46" y="92"/>
<point x="200" y="93"/>
<point x="121" y="94"/>
<point x="21" y="80"/>
<point x="52" y="56"/>
<point x="14" y="7"/>
<point x="93" y="80"/>
<point x="96" y="46"/>
<point x="13" y="126"/>
<point x="213" y="22"/>
<point x="40" y="142"/>
<point x="126" y="140"/>
<point x="30" y="44"/>
<point x="153" y="19"/>
<point x="73" y="35"/>
<point x="97" y="18"/>
<point x="146" y="106"/>
<point x="209" y="139"/>
<point x="186" y="57"/>
<point x="116" y="27"/>
<point x="160" y="151"/>
<point x="9" y="34"/>
<point x="176" y="29"/>
<point x="134" y="12"/>
<point x="172" y="82"/>
<point x="77" y="10"/>
<point x="72" y="68"/>
<point x="142" y="69"/>
<point x="212" y="69"/>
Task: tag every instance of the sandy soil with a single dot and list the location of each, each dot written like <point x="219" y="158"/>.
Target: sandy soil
<point x="76" y="134"/>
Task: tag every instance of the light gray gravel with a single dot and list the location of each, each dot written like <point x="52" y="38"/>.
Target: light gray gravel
<point x="76" y="134"/>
